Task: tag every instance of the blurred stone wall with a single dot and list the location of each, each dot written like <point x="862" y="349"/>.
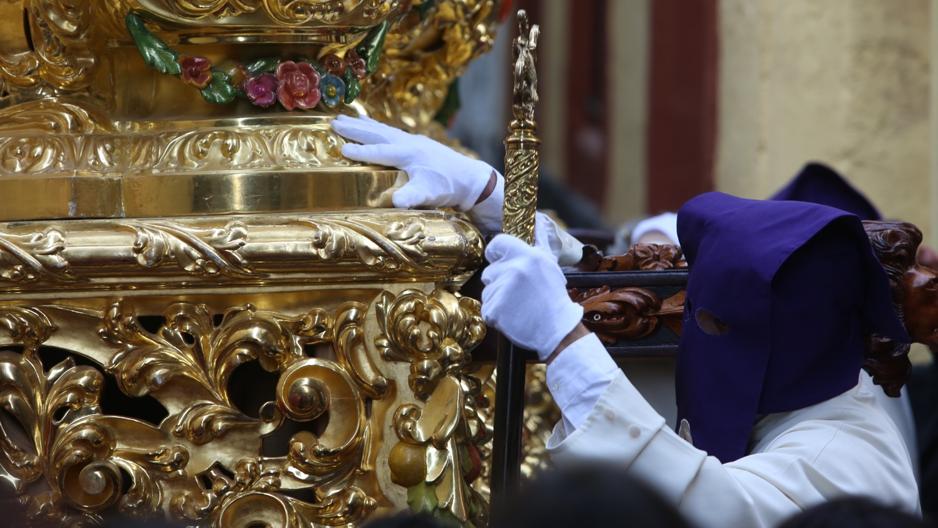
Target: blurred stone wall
<point x="847" y="82"/>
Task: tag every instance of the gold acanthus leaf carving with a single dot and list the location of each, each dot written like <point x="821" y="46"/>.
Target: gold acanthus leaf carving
<point x="433" y="332"/>
<point x="61" y="58"/>
<point x="424" y="55"/>
<point x="202" y="463"/>
<point x="34" y="398"/>
<point x="81" y="459"/>
<point x="342" y="507"/>
<point x="352" y="351"/>
<point x="437" y="457"/>
<point x="26" y="147"/>
<point x="208" y="252"/>
<point x="392" y="247"/>
<point x="189" y="346"/>
<point x="48" y="116"/>
<point x="29" y="327"/>
<point x="291" y="12"/>
<point x="91" y="456"/>
<point x="29" y="258"/>
<point x="255" y="147"/>
<point x="307" y="390"/>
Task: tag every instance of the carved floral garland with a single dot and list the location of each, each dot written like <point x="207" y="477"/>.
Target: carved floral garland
<point x="300" y="84"/>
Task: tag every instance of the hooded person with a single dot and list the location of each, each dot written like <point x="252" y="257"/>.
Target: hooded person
<point x="781" y="415"/>
<point x="818" y="183"/>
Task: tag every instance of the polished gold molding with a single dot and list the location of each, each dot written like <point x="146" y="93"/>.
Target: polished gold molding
<point x="225" y="251"/>
<point x="60" y="159"/>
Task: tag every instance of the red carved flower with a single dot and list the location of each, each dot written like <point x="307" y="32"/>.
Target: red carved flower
<point x="261" y="90"/>
<point x="356" y="63"/>
<point x="333" y="64"/>
<point x="299" y="85"/>
<point x="196" y="71"/>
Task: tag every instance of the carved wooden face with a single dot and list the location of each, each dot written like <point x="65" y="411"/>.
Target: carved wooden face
<point x="920" y="304"/>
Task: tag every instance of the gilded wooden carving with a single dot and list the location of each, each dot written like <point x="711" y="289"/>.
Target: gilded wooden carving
<point x="207" y="313"/>
<point x="204" y="463"/>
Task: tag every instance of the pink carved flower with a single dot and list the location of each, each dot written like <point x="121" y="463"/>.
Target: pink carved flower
<point x="196" y="71"/>
<point x="356" y="64"/>
<point x="333" y="64"/>
<point x="261" y="90"/>
<point x="299" y="85"/>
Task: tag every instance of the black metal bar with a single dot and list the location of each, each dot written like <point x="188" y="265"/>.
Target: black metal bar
<point x="614" y="279"/>
<point x="642" y="351"/>
<point x="509" y="420"/>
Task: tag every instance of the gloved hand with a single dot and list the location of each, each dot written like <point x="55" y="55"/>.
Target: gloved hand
<point x="439" y="176"/>
<point x="525" y="296"/>
<point x="442" y="177"/>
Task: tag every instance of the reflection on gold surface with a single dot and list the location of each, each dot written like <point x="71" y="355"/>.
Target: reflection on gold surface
<point x="153" y="246"/>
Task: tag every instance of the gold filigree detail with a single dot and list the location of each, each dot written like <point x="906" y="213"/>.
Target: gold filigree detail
<point x="438" y="455"/>
<point x="392" y="244"/>
<point x="203" y="460"/>
<point x="292" y="12"/>
<point x="31" y="258"/>
<point x="423" y="56"/>
<point x="251" y="148"/>
<point x="392" y="247"/>
<point x="540" y="416"/>
<point x="522" y="157"/>
<point x="61" y="58"/>
<point x="209" y="252"/>
<point x="433" y="332"/>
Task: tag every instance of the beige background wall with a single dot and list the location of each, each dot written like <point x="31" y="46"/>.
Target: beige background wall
<point x="846" y="82"/>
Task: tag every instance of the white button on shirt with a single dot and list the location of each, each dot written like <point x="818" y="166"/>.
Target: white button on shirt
<point x="844" y="446"/>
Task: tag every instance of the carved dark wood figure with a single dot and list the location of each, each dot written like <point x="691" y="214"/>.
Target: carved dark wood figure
<point x="626" y="313"/>
<point x="640" y="257"/>
<point x="913" y="287"/>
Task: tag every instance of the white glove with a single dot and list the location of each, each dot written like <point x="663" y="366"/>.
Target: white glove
<point x="442" y="177"/>
<point x="525" y="296"/>
<point x="439" y="176"/>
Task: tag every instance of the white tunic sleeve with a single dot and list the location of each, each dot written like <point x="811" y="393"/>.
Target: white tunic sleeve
<point x="845" y="445"/>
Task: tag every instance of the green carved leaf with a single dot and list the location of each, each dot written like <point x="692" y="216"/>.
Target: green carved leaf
<point x="353" y="86"/>
<point x="154" y="51"/>
<point x="220" y="90"/>
<point x="422" y="498"/>
<point x="267" y="65"/>
<point x="371" y="48"/>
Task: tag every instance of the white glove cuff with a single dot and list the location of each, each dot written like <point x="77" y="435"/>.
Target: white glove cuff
<point x="569" y="315"/>
<point x="487" y="215"/>
<point x="478" y="173"/>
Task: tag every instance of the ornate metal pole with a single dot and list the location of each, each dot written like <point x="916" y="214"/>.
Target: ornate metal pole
<point x="522" y="157"/>
<point x="522" y="161"/>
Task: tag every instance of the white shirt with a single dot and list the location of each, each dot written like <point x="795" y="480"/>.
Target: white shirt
<point x="844" y="446"/>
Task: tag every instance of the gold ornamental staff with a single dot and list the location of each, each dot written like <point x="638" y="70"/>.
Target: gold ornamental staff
<point x="522" y="162"/>
<point x="522" y="155"/>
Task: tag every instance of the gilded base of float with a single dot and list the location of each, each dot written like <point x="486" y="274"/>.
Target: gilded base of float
<point x="259" y="370"/>
<point x="60" y="159"/>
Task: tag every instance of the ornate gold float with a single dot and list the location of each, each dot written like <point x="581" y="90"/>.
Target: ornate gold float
<point x="207" y="313"/>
